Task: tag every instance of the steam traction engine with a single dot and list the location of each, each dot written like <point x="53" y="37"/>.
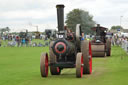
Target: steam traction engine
<point x="67" y="51"/>
<point x="101" y="46"/>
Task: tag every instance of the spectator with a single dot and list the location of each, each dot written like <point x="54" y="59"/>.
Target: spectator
<point x="26" y="41"/>
<point x="82" y="37"/>
<point x="30" y="42"/>
<point x="23" y="42"/>
<point x="18" y="40"/>
<point x="34" y="44"/>
<point x="40" y="45"/>
<point x="113" y="40"/>
<point x="0" y="41"/>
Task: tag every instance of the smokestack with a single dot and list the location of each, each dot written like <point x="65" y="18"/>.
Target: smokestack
<point x="98" y="25"/>
<point x="98" y="30"/>
<point x="60" y="17"/>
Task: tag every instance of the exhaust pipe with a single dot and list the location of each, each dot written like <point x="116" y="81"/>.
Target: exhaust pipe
<point x="60" y="17"/>
<point x="98" y="30"/>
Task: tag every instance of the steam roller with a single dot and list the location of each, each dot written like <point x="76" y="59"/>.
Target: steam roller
<point x="101" y="46"/>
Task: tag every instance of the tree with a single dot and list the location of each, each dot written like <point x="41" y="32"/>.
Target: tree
<point x="79" y="16"/>
<point x="116" y="27"/>
<point x="6" y="29"/>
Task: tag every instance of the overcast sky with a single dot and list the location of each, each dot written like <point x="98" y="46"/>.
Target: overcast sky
<point x="21" y="14"/>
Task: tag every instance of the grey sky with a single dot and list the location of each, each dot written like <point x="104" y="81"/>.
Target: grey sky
<point x="19" y="14"/>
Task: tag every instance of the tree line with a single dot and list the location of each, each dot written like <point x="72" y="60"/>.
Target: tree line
<point x="6" y="29"/>
<point x="79" y="16"/>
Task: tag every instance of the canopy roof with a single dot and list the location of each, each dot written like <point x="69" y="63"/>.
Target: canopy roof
<point x="101" y="28"/>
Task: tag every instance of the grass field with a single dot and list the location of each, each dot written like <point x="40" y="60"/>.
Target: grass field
<point x="21" y="66"/>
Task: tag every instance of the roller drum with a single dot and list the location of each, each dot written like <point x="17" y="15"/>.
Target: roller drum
<point x="98" y="50"/>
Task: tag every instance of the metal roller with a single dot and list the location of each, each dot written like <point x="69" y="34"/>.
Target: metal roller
<point x="98" y="50"/>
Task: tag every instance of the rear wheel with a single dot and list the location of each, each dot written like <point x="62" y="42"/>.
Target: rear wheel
<point x="44" y="65"/>
<point x="108" y="47"/>
<point x="79" y="65"/>
<point x="54" y="70"/>
<point x="87" y="56"/>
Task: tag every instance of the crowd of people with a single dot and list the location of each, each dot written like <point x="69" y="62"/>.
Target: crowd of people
<point x="118" y="40"/>
<point x="13" y="40"/>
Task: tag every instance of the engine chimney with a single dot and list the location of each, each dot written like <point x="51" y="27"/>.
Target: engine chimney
<point x="60" y="17"/>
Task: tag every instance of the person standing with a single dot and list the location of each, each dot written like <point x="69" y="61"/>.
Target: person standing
<point x="82" y="37"/>
<point x="26" y="41"/>
<point x="0" y="41"/>
<point x="23" y="42"/>
<point x="18" y="41"/>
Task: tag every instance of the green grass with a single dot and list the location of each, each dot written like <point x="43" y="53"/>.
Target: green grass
<point x="21" y="66"/>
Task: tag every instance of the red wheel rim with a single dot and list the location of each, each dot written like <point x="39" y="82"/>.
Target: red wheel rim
<point x="81" y="65"/>
<point x="46" y="65"/>
<point x="90" y="60"/>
